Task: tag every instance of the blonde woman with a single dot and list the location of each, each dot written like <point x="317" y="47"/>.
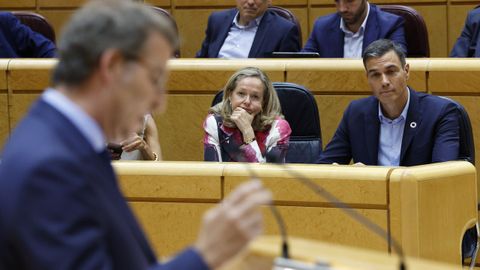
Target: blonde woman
<point x="248" y="123"/>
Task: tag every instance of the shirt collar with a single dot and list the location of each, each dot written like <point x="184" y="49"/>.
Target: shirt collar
<point x="79" y="118"/>
<point x="344" y="28"/>
<point x="402" y="116"/>
<point x="254" y="23"/>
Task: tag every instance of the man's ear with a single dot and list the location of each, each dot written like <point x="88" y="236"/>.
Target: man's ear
<point x="110" y="65"/>
<point x="407" y="70"/>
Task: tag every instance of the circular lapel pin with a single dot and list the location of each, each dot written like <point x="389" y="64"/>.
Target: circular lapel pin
<point x="413" y="125"/>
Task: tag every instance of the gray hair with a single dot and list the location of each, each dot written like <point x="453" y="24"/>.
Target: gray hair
<point x="380" y="47"/>
<point x="271" y="108"/>
<point x="106" y="24"/>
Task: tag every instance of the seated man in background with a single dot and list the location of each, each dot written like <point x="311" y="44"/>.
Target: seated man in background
<point x="397" y="126"/>
<point x="248" y="31"/>
<point x="468" y="44"/>
<point x="60" y="204"/>
<point x="19" y="41"/>
<point x="356" y="24"/>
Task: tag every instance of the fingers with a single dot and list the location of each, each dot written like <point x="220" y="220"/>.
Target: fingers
<point x="134" y="143"/>
<point x="230" y="226"/>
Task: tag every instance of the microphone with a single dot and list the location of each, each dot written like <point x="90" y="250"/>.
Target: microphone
<point x="274" y="157"/>
<point x="276" y="214"/>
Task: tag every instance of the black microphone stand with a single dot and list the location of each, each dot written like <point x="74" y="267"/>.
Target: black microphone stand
<point x="339" y="204"/>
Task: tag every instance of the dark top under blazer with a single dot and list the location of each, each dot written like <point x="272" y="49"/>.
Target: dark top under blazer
<point x="19" y="41"/>
<point x="435" y="137"/>
<point x="60" y="205"/>
<point x="274" y="34"/>
<point x="468" y="43"/>
<point x="328" y="39"/>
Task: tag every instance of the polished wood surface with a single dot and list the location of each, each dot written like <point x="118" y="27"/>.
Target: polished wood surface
<point x="444" y="18"/>
<point x="262" y="252"/>
<point x="417" y="206"/>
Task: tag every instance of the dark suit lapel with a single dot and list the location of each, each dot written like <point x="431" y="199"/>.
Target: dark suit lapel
<point x="335" y="37"/>
<point x="371" y="28"/>
<point x="102" y="179"/>
<point x="264" y="28"/>
<point x="412" y="124"/>
<point x="372" y="131"/>
<point x="114" y="197"/>
<point x="223" y="32"/>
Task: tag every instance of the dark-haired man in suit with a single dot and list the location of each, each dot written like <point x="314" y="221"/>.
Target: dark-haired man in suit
<point x="19" y="41"/>
<point x="356" y="24"/>
<point x="468" y="43"/>
<point x="396" y="126"/>
<point x="60" y="204"/>
<point x="248" y="31"/>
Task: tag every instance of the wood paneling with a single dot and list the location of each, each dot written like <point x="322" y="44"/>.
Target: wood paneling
<point x="192" y="24"/>
<point x="435" y="19"/>
<point x="331" y="108"/>
<point x="159" y="3"/>
<point x="57" y="18"/>
<point x="415" y="220"/>
<point x="421" y="205"/>
<point x="181" y="126"/>
<point x="302" y="16"/>
<point x="60" y="3"/>
<point x="23" y="4"/>
<point x="170" y="181"/>
<point x="454" y="76"/>
<point x="329" y="225"/>
<point x="203" y="3"/>
<point x="170" y="226"/>
<point x="366" y="185"/>
<point x="4" y="120"/>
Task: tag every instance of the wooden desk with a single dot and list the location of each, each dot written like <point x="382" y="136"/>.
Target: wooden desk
<point x="418" y="206"/>
<point x="264" y="250"/>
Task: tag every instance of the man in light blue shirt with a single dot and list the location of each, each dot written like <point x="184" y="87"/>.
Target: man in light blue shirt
<point x="356" y="24"/>
<point x="396" y="126"/>
<point x="250" y="30"/>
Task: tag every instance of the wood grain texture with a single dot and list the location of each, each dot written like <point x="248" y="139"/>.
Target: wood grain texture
<point x="169" y="180"/>
<point x="170" y="227"/>
<point x="4" y="120"/>
<point x="262" y="252"/>
<point x="17" y="4"/>
<point x="362" y="186"/>
<point x="211" y="75"/>
<point x="29" y="74"/>
<point x="435" y="19"/>
<point x="454" y="75"/>
<point x="330" y="225"/>
<point x="181" y="126"/>
<point x="433" y="204"/>
<point x="60" y="3"/>
<point x="331" y="108"/>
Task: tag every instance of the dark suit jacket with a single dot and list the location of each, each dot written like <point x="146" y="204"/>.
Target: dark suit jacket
<point x="468" y="43"/>
<point x="328" y="39"/>
<point x="61" y="208"/>
<point x="274" y="34"/>
<point x="434" y="139"/>
<point x="18" y="40"/>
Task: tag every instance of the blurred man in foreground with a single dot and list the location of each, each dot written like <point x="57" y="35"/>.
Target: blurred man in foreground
<point x="60" y="205"/>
